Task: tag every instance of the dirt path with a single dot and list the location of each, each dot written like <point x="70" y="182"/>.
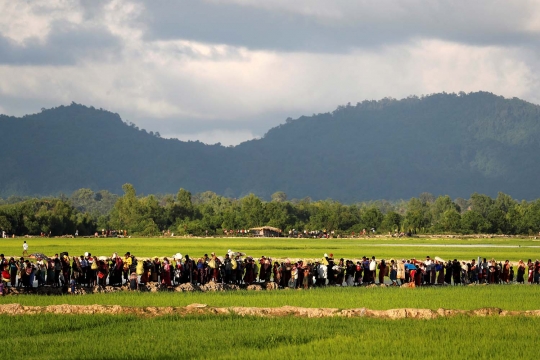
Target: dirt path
<point x="202" y="309"/>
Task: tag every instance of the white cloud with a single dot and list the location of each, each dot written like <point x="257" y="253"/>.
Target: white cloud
<point x="23" y="20"/>
<point x="225" y="137"/>
<point x="229" y="93"/>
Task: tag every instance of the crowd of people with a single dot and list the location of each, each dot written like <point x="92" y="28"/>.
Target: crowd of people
<point x="62" y="270"/>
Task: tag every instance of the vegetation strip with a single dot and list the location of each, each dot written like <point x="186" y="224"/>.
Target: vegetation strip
<point x="105" y="215"/>
<point x="203" y="309"/>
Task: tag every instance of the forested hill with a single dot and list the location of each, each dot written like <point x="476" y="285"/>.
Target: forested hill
<point x="69" y="147"/>
<point x="454" y="144"/>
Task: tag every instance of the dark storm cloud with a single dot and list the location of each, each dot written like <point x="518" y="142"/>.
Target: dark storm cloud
<point x="276" y="29"/>
<point x="66" y="44"/>
<point x="254" y="28"/>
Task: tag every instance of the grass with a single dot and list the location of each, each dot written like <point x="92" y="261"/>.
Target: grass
<point x="234" y="337"/>
<point x="282" y="248"/>
<point x="201" y="337"/>
<point x="507" y="297"/>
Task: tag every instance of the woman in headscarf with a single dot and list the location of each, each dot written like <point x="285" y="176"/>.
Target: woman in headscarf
<point x="382" y="271"/>
<point x="21" y="271"/>
<point x="420" y="273"/>
<point x="66" y="269"/>
<point x="530" y="268"/>
<point x="102" y="272"/>
<point x="262" y="269"/>
<point x="491" y="271"/>
<point x="267" y="266"/>
<point x="277" y="273"/>
<point x="456" y="272"/>
<point x="201" y="271"/>
<point x="117" y="270"/>
<point x="145" y="277"/>
<point x="213" y="264"/>
<point x="294" y="277"/>
<point x="412" y="272"/>
<point x="299" y="274"/>
<point x="448" y="273"/>
<point x="249" y="276"/>
<point x="393" y="272"/>
<point x="367" y="273"/>
<point x="12" y="272"/>
<point x="5" y="278"/>
<point x="76" y="268"/>
<point x="306" y="279"/>
<point x="401" y="272"/>
<point x="439" y="267"/>
<point x="358" y="274"/>
<point x="166" y="273"/>
<point x="188" y="270"/>
<point x="286" y="269"/>
<point x="521" y="272"/>
<point x="50" y="272"/>
<point x="498" y="272"/>
<point x="506" y="271"/>
<point x="28" y="281"/>
<point x="155" y="270"/>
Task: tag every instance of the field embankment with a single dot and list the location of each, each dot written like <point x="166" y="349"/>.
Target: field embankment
<point x="203" y="309"/>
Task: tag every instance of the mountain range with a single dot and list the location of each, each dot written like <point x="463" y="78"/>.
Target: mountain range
<point x="445" y="144"/>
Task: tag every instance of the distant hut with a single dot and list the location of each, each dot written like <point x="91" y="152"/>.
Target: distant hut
<point x="265" y="231"/>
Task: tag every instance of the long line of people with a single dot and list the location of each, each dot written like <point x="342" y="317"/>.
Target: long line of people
<point x="236" y="268"/>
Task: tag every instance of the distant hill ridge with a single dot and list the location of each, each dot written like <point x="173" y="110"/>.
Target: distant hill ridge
<point x="453" y="144"/>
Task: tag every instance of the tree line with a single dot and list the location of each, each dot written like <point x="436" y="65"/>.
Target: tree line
<point x="208" y="213"/>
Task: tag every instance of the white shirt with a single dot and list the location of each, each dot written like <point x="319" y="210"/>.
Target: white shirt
<point x="25" y="246"/>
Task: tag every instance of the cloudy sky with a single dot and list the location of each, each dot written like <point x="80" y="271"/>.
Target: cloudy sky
<point x="228" y="70"/>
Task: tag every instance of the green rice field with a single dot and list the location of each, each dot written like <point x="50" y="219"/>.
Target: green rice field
<point x="506" y="297"/>
<point x="498" y="248"/>
<point x="234" y="337"/>
<point x="49" y="336"/>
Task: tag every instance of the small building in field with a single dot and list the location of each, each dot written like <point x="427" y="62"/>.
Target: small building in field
<point x="265" y="231"/>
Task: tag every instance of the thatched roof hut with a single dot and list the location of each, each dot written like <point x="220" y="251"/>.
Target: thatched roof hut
<point x="265" y="231"/>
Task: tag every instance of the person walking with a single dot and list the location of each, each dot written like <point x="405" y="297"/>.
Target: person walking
<point x="521" y="272"/>
<point x="13" y="272"/>
<point x="382" y="271"/>
<point x="372" y="270"/>
<point x="25" y="249"/>
<point x="393" y="272"/>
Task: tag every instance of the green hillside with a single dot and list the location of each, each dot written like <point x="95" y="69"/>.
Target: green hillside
<point x="454" y="144"/>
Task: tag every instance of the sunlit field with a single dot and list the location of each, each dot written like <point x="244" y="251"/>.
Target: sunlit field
<point x="506" y="297"/>
<point x="498" y="248"/>
<point x="49" y="336"/>
<point x="234" y="337"/>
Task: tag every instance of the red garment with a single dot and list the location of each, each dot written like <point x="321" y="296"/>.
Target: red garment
<point x="166" y="275"/>
<point x="249" y="277"/>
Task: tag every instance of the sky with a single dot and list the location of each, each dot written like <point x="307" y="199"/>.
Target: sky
<point x="229" y="70"/>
